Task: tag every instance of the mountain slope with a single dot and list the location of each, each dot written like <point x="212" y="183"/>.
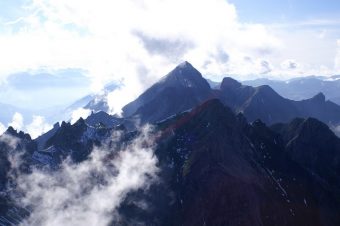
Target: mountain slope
<point x="216" y="169"/>
<point x="264" y="103"/>
<point x="256" y="103"/>
<point x="219" y="170"/>
<point x="322" y="156"/>
<point x="180" y="90"/>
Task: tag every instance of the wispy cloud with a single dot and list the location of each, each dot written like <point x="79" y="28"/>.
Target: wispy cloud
<point x="90" y="192"/>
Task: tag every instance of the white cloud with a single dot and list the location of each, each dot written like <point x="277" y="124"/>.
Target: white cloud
<point x="38" y="126"/>
<point x="79" y="113"/>
<point x="17" y="121"/>
<point x="132" y="41"/>
<point x="315" y="55"/>
<point x="137" y="41"/>
<point x="2" y="128"/>
<point x="119" y="97"/>
<point x="89" y="193"/>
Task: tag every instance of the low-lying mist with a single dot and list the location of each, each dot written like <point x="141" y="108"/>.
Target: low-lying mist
<point x="87" y="193"/>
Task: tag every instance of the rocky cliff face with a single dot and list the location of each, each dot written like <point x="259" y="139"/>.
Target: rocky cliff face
<point x="219" y="170"/>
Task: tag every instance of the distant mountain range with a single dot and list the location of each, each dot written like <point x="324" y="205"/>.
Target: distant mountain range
<point x="229" y="155"/>
<point x="304" y="87"/>
<point x="185" y="88"/>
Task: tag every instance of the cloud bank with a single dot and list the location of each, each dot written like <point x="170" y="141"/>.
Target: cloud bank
<point x="134" y="42"/>
<point x="89" y="193"/>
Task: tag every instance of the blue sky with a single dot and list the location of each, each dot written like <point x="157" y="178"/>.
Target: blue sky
<point x="287" y="11"/>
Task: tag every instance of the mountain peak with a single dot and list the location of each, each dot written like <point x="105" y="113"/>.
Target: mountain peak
<point x="19" y="134"/>
<point x="181" y="89"/>
<point x="215" y="111"/>
<point x="184" y="69"/>
<point x="230" y="83"/>
<point x="314" y="125"/>
<point x="265" y="89"/>
<point x="80" y="122"/>
<point x="320" y="97"/>
<point x="184" y="64"/>
<point x="11" y="131"/>
<point x="103" y="118"/>
<point x="185" y="75"/>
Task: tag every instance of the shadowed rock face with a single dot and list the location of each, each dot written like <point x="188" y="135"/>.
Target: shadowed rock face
<point x="256" y="103"/>
<point x="314" y="146"/>
<point x="216" y="169"/>
<point x="219" y="170"/>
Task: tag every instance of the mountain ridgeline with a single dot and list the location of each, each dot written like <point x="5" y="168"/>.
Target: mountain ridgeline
<point x="232" y="155"/>
<point x="303" y="88"/>
<point x="184" y="88"/>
